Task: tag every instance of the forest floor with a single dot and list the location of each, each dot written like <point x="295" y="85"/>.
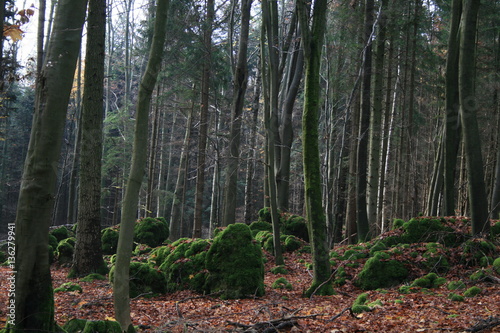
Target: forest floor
<point x="426" y="310"/>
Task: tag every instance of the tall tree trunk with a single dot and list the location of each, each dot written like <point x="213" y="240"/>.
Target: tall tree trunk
<point x="88" y="253"/>
<point x="452" y="117"/>
<point x="270" y="88"/>
<point x="364" y="129"/>
<point x="468" y="106"/>
<point x="202" y="139"/>
<point x="252" y="155"/>
<point x="312" y="38"/>
<point x="34" y="300"/>
<point x="139" y="158"/>
<point x="240" y="80"/>
<point x="176" y="216"/>
<point x="374" y="159"/>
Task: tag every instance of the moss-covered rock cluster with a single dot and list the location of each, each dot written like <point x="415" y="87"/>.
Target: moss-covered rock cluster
<point x="235" y="265"/>
<point x="230" y="265"/>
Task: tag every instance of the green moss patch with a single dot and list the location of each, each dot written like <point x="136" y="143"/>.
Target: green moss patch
<point x="235" y="264"/>
<point x="282" y="283"/>
<point x="89" y="326"/>
<point x="184" y="266"/>
<point x="67" y="287"/>
<point x="144" y="279"/>
<point x="93" y="277"/>
<point x="151" y="231"/>
<point x="472" y="291"/>
<point x="109" y="240"/>
<point x="380" y="272"/>
<point x="361" y="304"/>
<point x="65" y="250"/>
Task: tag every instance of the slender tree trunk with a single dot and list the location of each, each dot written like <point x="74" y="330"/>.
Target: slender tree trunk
<point x="34" y="301"/>
<point x="252" y="155"/>
<point x="176" y="216"/>
<point x="270" y="88"/>
<point x="240" y="80"/>
<point x="88" y="253"/>
<point x="202" y="139"/>
<point x="121" y="288"/>
<point x="374" y="160"/>
<point x="364" y="129"/>
<point x="312" y="38"/>
<point x="478" y="201"/>
<point x="452" y="117"/>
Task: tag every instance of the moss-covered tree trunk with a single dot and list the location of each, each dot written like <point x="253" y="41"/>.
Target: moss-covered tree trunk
<point x="478" y="200"/>
<point x="452" y="117"/>
<point x="34" y="300"/>
<point x="139" y="157"/>
<point x="88" y="252"/>
<point x="240" y="81"/>
<point x="312" y="38"/>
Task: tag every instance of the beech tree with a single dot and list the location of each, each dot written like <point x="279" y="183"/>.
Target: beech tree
<point x="88" y="254"/>
<point x="34" y="300"/>
<point x="313" y="29"/>
<point x="130" y="202"/>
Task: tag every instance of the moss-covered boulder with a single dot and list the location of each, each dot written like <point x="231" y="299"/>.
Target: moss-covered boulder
<point x="184" y="266"/>
<point x="380" y="272"/>
<point x="90" y="326"/>
<point x="418" y="230"/>
<point x="282" y="283"/>
<point x="65" y="250"/>
<point x="430" y="280"/>
<point x="235" y="264"/>
<point x="60" y="233"/>
<point x="53" y="241"/>
<point x="295" y="225"/>
<point x="67" y="287"/>
<point x="496" y="265"/>
<point x="258" y="226"/>
<point x="144" y="279"/>
<point x="479" y="251"/>
<point x="92" y="277"/>
<point x="361" y="304"/>
<point x="291" y="243"/>
<point x="158" y="255"/>
<point x="495" y="230"/>
<point x="151" y="231"/>
<point x="472" y="291"/>
<point x="109" y="240"/>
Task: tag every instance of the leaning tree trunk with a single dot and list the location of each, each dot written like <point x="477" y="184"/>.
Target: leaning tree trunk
<point x="139" y="158"/>
<point x="88" y="253"/>
<point x="34" y="299"/>
<point x="312" y="38"/>
<point x="478" y="200"/>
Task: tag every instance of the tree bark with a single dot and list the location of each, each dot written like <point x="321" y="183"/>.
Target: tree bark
<point x="34" y="301"/>
<point x="312" y="39"/>
<point x="478" y="200"/>
<point x="204" y="109"/>
<point x="240" y="80"/>
<point x="364" y="130"/>
<point x="139" y="159"/>
<point x="176" y="216"/>
<point x="88" y="253"/>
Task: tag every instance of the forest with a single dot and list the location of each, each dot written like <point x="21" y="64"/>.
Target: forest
<point x="334" y="139"/>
